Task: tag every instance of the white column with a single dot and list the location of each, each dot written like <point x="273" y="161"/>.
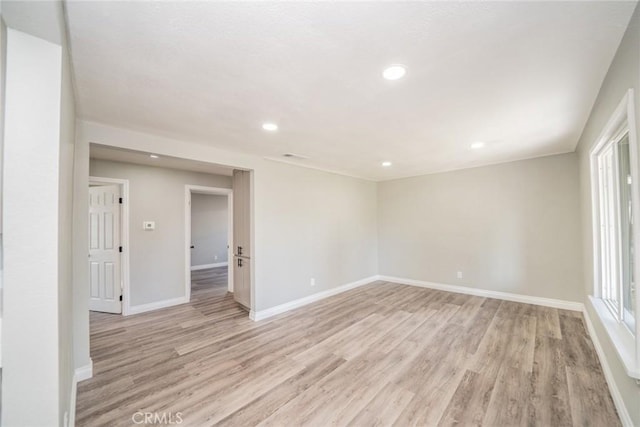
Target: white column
<point x="30" y="354"/>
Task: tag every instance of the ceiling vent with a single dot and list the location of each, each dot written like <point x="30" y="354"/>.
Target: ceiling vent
<point x="294" y="156"/>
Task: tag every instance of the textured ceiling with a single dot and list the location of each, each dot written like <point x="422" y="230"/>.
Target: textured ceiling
<point x="521" y="77"/>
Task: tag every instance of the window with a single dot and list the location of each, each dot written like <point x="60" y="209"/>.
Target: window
<point x="616" y="279"/>
<point x="616" y="194"/>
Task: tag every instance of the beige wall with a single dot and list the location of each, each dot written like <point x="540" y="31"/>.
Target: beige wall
<point x="311" y="224"/>
<point x="623" y="74"/>
<point x="209" y="229"/>
<point x="157" y="258"/>
<point x="512" y="227"/>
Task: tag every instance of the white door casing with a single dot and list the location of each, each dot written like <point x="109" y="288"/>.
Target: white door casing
<point x="241" y="238"/>
<point x="105" y="279"/>
<point x="216" y="191"/>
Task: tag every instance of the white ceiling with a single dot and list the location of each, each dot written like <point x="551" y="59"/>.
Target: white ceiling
<point x="520" y="76"/>
<point x="103" y="152"/>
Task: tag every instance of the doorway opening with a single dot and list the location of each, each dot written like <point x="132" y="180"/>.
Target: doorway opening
<point x="155" y="264"/>
<point x="209" y="241"/>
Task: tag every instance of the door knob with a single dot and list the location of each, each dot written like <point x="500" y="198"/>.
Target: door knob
<point x="239" y="262"/>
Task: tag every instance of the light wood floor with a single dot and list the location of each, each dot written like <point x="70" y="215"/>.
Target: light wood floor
<point x="211" y="282"/>
<point x="381" y="354"/>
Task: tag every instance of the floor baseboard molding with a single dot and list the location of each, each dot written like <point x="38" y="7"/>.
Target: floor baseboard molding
<point x="206" y="266"/>
<point x="279" y="309"/>
<point x="623" y="413"/>
<point x="70" y="418"/>
<point x="80" y="374"/>
<point x="527" y="299"/>
<point x="143" y="308"/>
<point x="84" y="372"/>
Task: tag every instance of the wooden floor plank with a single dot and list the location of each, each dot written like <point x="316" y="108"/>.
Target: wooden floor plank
<point x="509" y="399"/>
<point x="548" y="322"/>
<point x="469" y="403"/>
<point x="385" y="407"/>
<point x="261" y="408"/>
<point x="589" y="405"/>
<point x="550" y="403"/>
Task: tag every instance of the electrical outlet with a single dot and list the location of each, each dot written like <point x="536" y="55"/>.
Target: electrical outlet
<point x="459" y="274"/>
<point x="215" y="257"/>
<point x="313" y="281"/>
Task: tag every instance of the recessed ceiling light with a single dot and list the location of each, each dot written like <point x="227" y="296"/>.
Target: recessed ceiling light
<point x="154" y="156"/>
<point x="394" y="72"/>
<point x="271" y="127"/>
<point x="477" y="144"/>
<point x="386" y="164"/>
<point x="295" y="156"/>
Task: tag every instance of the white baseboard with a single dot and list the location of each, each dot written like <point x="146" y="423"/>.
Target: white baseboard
<point x="278" y="309"/>
<point x="84" y="372"/>
<point x="623" y="413"/>
<point x="205" y="266"/>
<point x="70" y="418"/>
<point x="527" y="299"/>
<point x="142" y="308"/>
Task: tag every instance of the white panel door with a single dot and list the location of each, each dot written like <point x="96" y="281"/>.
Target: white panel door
<point x="104" y="249"/>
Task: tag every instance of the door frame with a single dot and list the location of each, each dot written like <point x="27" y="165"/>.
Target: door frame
<point x="124" y="237"/>
<point x="213" y="191"/>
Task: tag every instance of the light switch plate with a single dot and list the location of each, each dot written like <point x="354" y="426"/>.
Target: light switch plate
<point x="149" y="225"/>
